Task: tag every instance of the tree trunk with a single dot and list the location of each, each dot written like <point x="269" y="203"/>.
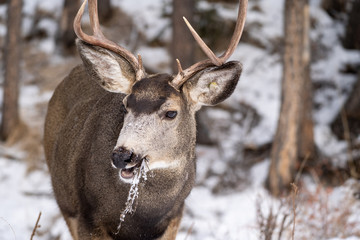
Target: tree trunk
<point x="182" y="46"/>
<point x="334" y="7"/>
<point x="352" y="36"/>
<point x="352" y="105"/>
<point x="10" y="113"/>
<point x="294" y="136"/>
<point x="351" y="115"/>
<point x="66" y="31"/>
<point x="105" y="10"/>
<point x="346" y="125"/>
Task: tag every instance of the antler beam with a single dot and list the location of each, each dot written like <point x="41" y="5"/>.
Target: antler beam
<point x="184" y="75"/>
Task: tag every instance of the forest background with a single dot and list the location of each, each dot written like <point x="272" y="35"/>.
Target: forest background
<point x="258" y="178"/>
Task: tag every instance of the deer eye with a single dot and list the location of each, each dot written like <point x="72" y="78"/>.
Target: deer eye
<point x="171" y="114"/>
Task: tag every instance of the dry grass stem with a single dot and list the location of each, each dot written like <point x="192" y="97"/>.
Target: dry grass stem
<point x="9" y="226"/>
<point x="282" y="226"/>
<point x="35" y="227"/>
<point x="276" y="221"/>
<point x="352" y="166"/>
<point x="303" y="163"/>
<point x="189" y="231"/>
<point x="294" y="193"/>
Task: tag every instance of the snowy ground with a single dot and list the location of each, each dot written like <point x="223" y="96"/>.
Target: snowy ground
<point x="323" y="213"/>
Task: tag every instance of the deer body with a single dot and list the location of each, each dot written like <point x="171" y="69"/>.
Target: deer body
<point x="93" y="113"/>
<point x="107" y="118"/>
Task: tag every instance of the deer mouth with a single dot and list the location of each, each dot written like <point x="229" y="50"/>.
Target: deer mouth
<point x="129" y="171"/>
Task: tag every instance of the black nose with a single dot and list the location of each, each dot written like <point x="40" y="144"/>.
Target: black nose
<point x="121" y="157"/>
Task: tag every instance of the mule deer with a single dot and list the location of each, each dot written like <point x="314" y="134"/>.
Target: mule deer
<point x="108" y="117"/>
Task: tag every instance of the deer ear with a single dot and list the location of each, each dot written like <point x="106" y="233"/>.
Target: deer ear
<point x="214" y="84"/>
<point x="110" y="70"/>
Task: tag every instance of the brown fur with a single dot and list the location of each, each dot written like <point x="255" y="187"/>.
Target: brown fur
<point x="84" y="124"/>
<point x="76" y="157"/>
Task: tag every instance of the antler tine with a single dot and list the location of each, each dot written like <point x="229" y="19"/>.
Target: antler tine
<point x="239" y="27"/>
<point x="203" y="45"/>
<point x="94" y="19"/>
<point x="184" y="75"/>
<point x="77" y="24"/>
<point x="98" y="38"/>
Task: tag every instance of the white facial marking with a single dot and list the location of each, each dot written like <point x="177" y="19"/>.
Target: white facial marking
<point x="162" y="165"/>
<point x="112" y="164"/>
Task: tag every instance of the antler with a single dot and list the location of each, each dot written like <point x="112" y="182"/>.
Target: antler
<point x="184" y="75"/>
<point x="98" y="38"/>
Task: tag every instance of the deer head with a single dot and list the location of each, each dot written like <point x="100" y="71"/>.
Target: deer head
<point x="159" y="125"/>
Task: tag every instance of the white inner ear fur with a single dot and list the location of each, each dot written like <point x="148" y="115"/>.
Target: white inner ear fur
<point x="109" y="71"/>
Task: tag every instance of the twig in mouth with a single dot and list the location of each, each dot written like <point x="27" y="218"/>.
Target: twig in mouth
<point x="139" y="173"/>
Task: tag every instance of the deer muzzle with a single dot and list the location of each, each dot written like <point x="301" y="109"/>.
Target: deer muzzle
<point x="126" y="160"/>
<point x="121" y="157"/>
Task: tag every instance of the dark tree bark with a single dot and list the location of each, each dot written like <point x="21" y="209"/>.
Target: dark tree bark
<point x="105" y="10"/>
<point x="347" y="121"/>
<point x="182" y="46"/>
<point x="10" y="110"/>
<point x="352" y="36"/>
<point x="67" y="35"/>
<point x="352" y="105"/>
<point x="294" y="136"/>
<point x="333" y="7"/>
<point x="66" y="32"/>
<point x="346" y="125"/>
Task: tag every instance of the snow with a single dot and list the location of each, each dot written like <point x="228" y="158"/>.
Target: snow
<point x="259" y="86"/>
<point x="270" y="18"/>
<point x="155" y="58"/>
<point x="151" y="21"/>
<point x="331" y="146"/>
<point x="208" y="215"/>
<point x="23" y="196"/>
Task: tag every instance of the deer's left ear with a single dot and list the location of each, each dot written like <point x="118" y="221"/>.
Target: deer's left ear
<point x="213" y="85"/>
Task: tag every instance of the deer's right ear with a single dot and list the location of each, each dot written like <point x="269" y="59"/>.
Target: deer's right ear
<point x="110" y="70"/>
<point x="214" y="84"/>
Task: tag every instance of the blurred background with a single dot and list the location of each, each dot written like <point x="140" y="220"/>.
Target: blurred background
<point x="280" y="157"/>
